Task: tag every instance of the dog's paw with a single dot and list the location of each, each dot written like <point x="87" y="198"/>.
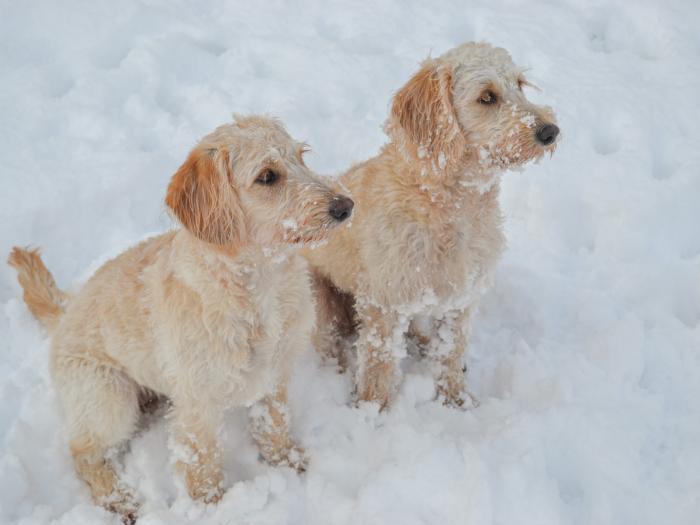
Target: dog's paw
<point x="210" y="495"/>
<point x="205" y="489"/>
<point x="298" y="459"/>
<point x="373" y="392"/>
<point x="214" y="496"/>
<point x="123" y="503"/>
<point x="129" y="518"/>
<point x="463" y="400"/>
<point x="294" y="457"/>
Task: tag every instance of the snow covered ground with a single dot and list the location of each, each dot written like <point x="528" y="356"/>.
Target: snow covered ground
<point x="585" y="355"/>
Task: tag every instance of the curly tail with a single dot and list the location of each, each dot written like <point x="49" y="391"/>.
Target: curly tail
<point x="41" y="294"/>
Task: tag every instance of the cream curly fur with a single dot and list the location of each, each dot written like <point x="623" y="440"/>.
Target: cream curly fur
<point x="210" y="315"/>
<point x="426" y="233"/>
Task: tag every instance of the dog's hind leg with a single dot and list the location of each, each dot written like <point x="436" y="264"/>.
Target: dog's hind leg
<point x="336" y="321"/>
<point x="101" y="408"/>
<point x="421" y="332"/>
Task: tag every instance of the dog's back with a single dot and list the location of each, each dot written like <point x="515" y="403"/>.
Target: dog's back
<point x="110" y="319"/>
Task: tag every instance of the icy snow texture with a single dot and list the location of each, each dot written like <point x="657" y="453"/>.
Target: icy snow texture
<point x="585" y="355"/>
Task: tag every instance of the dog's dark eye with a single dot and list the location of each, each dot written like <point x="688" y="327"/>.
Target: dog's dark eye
<point x="267" y="177"/>
<point x="487" y="98"/>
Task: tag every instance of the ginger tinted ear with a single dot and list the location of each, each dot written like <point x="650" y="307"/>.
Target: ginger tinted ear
<point x="202" y="197"/>
<point x="423" y="109"/>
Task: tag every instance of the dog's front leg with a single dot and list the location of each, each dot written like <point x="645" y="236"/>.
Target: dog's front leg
<point x="447" y="352"/>
<point x="199" y="456"/>
<point x="269" y="426"/>
<point x="381" y="341"/>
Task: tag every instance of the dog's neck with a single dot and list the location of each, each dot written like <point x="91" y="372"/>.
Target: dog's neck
<point x="450" y="182"/>
<point x="216" y="264"/>
<point x="452" y="159"/>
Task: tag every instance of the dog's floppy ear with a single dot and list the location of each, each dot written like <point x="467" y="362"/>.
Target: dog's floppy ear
<point x="202" y="197"/>
<point x="423" y="109"/>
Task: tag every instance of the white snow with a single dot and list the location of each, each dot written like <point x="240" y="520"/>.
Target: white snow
<point x="585" y="355"/>
<point x="290" y="224"/>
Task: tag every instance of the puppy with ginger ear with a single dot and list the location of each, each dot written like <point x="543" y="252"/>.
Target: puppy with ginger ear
<point x="426" y="233"/>
<point x="210" y="316"/>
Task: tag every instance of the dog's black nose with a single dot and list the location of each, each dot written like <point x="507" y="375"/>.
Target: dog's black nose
<point x="341" y="208"/>
<point x="547" y="134"/>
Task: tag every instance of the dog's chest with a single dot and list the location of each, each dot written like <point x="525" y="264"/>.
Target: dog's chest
<point x="448" y="256"/>
<point x="258" y="329"/>
<point x="462" y="256"/>
<point x="274" y="300"/>
<point x="469" y="264"/>
<point x="234" y="352"/>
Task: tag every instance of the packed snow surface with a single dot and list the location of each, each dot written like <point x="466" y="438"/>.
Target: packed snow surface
<point x="585" y="354"/>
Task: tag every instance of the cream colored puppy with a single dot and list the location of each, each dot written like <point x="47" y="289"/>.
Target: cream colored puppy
<point x="210" y="315"/>
<point x="426" y="233"/>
